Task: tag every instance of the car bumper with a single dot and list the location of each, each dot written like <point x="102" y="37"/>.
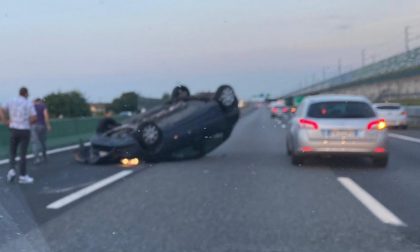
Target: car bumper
<point x="376" y="145"/>
<point x="104" y="150"/>
<point x="396" y="123"/>
<point x="341" y="154"/>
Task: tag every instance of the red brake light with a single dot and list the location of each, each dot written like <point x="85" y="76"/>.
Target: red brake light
<point x="306" y="149"/>
<point x="305" y="123"/>
<point x="379" y="150"/>
<point x="285" y="110"/>
<point x="275" y="110"/>
<point x="377" y="124"/>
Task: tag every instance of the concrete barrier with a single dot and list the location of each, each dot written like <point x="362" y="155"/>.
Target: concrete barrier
<point x="64" y="132"/>
<point x="413" y="116"/>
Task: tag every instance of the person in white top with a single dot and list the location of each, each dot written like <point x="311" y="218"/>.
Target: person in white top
<point x="19" y="114"/>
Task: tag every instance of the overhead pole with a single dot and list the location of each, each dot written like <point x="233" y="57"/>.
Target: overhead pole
<point x="339" y="66"/>
<point x="363" y="55"/>
<point x="407" y="38"/>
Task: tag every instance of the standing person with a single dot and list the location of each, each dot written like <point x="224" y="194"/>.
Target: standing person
<point x="39" y="131"/>
<point x="21" y="114"/>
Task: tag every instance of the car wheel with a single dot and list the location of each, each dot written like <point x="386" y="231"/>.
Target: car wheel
<point x="404" y="127"/>
<point x="149" y="135"/>
<point x="180" y="92"/>
<point x="380" y="162"/>
<point x="226" y="97"/>
<point x="297" y="160"/>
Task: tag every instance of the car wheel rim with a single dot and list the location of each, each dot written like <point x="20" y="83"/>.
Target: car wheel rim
<point x="227" y="98"/>
<point x="150" y="134"/>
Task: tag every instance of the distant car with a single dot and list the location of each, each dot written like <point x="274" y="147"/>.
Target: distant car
<point x="394" y="114"/>
<point x="331" y="125"/>
<point x="126" y="113"/>
<point x="280" y="111"/>
<point x="186" y="127"/>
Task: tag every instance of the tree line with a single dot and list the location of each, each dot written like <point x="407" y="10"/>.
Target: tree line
<point x="74" y="104"/>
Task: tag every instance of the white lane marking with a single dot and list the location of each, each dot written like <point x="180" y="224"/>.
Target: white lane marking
<point x="373" y="205"/>
<point x="406" y="138"/>
<point x="53" y="151"/>
<point x="88" y="190"/>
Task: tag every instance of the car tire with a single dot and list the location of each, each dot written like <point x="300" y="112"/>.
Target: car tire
<point x="180" y="92"/>
<point x="225" y="96"/>
<point x="149" y="135"/>
<point x="404" y="127"/>
<point x="296" y="160"/>
<point x="380" y="162"/>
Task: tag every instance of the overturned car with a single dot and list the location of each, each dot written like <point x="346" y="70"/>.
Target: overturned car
<point x="189" y="126"/>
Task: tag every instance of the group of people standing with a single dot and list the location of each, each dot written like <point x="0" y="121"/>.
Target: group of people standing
<point x="28" y="122"/>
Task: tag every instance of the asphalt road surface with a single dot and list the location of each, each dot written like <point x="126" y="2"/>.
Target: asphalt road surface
<point x="244" y="196"/>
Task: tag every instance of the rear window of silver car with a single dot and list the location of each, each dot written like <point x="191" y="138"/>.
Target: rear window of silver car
<point x="340" y="109"/>
<point x="389" y="107"/>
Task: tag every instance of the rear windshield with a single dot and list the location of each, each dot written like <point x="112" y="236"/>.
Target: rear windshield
<point x="340" y="109"/>
<point x="389" y="107"/>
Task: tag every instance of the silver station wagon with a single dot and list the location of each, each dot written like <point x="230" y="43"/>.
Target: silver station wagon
<point x="337" y="125"/>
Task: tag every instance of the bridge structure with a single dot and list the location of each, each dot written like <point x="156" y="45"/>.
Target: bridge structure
<point x="393" y="78"/>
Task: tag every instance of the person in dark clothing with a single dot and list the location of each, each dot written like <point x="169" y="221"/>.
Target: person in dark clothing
<point x="107" y="123"/>
<point x="39" y="131"/>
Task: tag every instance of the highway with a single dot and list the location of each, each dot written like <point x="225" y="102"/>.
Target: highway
<point x="244" y="196"/>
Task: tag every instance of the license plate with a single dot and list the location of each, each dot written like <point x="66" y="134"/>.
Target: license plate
<point x="103" y="153"/>
<point x="343" y="133"/>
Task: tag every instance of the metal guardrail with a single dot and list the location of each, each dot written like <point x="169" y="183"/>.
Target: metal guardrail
<point x="394" y="65"/>
<point x="413" y="111"/>
<point x="413" y="116"/>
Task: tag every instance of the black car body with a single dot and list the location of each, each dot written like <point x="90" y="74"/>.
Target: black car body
<point x="186" y="127"/>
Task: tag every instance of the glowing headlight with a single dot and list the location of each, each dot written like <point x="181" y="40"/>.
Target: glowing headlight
<point x="125" y="161"/>
<point x="130" y="162"/>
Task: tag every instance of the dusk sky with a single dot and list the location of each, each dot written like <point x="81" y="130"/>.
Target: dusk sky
<point x="106" y="47"/>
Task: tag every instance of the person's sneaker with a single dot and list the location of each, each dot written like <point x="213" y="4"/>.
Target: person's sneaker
<point x="25" y="180"/>
<point x="11" y="175"/>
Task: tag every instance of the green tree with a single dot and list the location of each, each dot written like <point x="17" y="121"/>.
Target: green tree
<point x="166" y="97"/>
<point x="67" y="104"/>
<point x="126" y="102"/>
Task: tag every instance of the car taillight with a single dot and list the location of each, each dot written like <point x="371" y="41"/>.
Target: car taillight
<point x="308" y="124"/>
<point x="379" y="150"/>
<point x="306" y="149"/>
<point x="377" y="124"/>
<point x="285" y="110"/>
<point x="403" y="113"/>
<point x="274" y="110"/>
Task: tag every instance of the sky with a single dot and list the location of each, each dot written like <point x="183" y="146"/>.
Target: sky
<point x="105" y="47"/>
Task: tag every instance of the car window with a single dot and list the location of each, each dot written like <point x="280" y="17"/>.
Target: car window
<point x="340" y="109"/>
<point x="388" y="107"/>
